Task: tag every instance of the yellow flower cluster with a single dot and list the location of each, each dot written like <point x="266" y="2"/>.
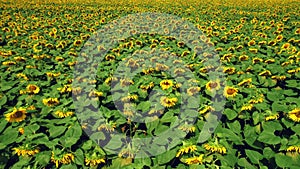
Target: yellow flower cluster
<point x="94" y="162"/>
<point x="215" y="148"/>
<point x="129" y="98"/>
<point x="21" y="151"/>
<point x="63" y="159"/>
<point x="51" y="102"/>
<point x="194" y="160"/>
<point x="186" y="149"/>
<point x="293" y="149"/>
<point x="168" y="102"/>
<point x="62" y="114"/>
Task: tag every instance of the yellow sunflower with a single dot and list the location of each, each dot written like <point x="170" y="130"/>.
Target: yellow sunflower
<point x="186" y="149"/>
<point x="194" y="160"/>
<point x="213" y="85"/>
<point x="166" y="84"/>
<point x="94" y="161"/>
<point x="51" y="102"/>
<point x="168" y="102"/>
<point x="244" y="82"/>
<point x="25" y="151"/>
<point x="32" y="89"/>
<point x="213" y="147"/>
<point x="62" y="159"/>
<point x="230" y="91"/>
<point x="294" y="115"/>
<point x="193" y="90"/>
<point x="17" y="115"/>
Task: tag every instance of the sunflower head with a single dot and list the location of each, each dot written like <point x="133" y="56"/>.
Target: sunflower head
<point x="230" y="91"/>
<point x="17" y="115"/>
<point x="166" y="84"/>
<point x="32" y="89"/>
<point x="294" y="115"/>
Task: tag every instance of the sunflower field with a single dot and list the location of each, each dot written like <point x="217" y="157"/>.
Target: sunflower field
<point x="181" y="84"/>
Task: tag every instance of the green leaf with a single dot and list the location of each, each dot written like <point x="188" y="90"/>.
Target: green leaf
<point x="56" y="131"/>
<point x="144" y="106"/>
<point x="79" y="157"/>
<point x="230" y="114"/>
<point x="3" y="124"/>
<point x="166" y="156"/>
<point x="269" y="138"/>
<point x="283" y="160"/>
<point x="244" y="163"/>
<point x="254" y="156"/>
<point x="3" y="99"/>
<point x="43" y="157"/>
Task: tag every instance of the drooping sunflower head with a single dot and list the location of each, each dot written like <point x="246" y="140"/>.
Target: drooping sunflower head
<point x="230" y="91"/>
<point x="51" y="102"/>
<point x="294" y="115"/>
<point x="168" y="102"/>
<point x="17" y="115"/>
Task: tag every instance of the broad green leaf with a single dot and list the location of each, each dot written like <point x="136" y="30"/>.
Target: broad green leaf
<point x="254" y="156"/>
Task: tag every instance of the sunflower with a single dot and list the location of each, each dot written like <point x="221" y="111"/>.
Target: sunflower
<point x="214" y="147"/>
<point x="19" y="75"/>
<point x="126" y="82"/>
<point x="17" y="115"/>
<point x="9" y="63"/>
<point x="295" y="148"/>
<point x="230" y="91"/>
<point x="59" y="59"/>
<point x="51" y="102"/>
<point x="265" y="73"/>
<point x="256" y="60"/>
<point x="168" y="102"/>
<point x="247" y="107"/>
<point x="166" y="84"/>
<point x="161" y="67"/>
<point x="279" y="38"/>
<point x="194" y="160"/>
<point x="50" y="74"/>
<point x="32" y="89"/>
<point x="244" y="82"/>
<point x="61" y="114"/>
<point x="243" y="57"/>
<point x="129" y="98"/>
<point x="94" y="160"/>
<point x="297" y="31"/>
<point x="251" y="43"/>
<point x="272" y="117"/>
<point x="253" y="50"/>
<point x="213" y="85"/>
<point x="77" y="43"/>
<point x="229" y="70"/>
<point x="21" y="130"/>
<point x="107" y="127"/>
<point x="110" y="57"/>
<point x="193" y="90"/>
<point x="294" y="115"/>
<point x="186" y="128"/>
<point x="186" y="149"/>
<point x="126" y="153"/>
<point x="20" y="59"/>
<point x="268" y="61"/>
<point x="25" y="151"/>
<point x="286" y="46"/>
<point x="66" y="158"/>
